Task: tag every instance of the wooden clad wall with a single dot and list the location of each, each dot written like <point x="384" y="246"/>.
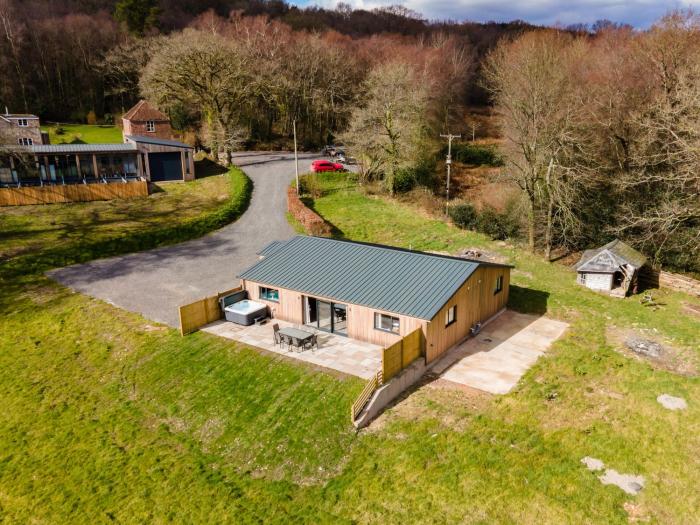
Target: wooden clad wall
<point x="476" y="302"/>
<point x="72" y="193"/>
<point x="360" y="318"/>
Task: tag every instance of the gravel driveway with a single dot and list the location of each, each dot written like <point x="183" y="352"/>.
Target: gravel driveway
<point x="156" y="282"/>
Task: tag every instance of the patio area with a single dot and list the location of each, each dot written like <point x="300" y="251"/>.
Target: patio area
<point x="336" y="352"/>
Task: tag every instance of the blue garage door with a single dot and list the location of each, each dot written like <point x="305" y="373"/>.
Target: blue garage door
<point x="165" y="166"/>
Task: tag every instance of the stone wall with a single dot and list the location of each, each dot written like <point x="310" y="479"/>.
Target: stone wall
<point x="10" y="132"/>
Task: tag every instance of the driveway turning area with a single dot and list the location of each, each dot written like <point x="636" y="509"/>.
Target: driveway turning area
<point x="155" y="283"/>
<point x="496" y="359"/>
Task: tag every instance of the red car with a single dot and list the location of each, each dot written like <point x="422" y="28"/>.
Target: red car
<point x="326" y="165"/>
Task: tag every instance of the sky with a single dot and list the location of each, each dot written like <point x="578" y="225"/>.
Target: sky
<point x="638" y="13"/>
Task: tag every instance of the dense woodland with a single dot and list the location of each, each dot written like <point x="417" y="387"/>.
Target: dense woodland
<point x="599" y="124"/>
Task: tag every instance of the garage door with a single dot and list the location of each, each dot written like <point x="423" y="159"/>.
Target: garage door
<point x="165" y="166"/>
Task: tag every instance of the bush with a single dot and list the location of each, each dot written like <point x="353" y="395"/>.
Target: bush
<point x="489" y="221"/>
<point x="464" y="216"/>
<point x="476" y="154"/>
<point x="404" y="180"/>
<point x="109" y="119"/>
<point x="91" y="118"/>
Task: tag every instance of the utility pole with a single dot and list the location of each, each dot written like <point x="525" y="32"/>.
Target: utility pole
<point x="296" y="158"/>
<point x="448" y="163"/>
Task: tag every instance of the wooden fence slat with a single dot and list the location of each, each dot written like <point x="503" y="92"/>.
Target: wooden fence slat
<point x="59" y="193"/>
<point x="202" y="312"/>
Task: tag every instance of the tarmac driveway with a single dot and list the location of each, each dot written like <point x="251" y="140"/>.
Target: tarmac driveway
<point x="156" y="282"/>
<point x="496" y="359"/>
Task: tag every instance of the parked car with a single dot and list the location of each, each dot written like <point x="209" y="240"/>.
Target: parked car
<point x="340" y="156"/>
<point x="332" y="149"/>
<point x="326" y="165"/>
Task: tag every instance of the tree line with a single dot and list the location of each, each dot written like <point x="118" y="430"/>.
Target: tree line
<point x="602" y="135"/>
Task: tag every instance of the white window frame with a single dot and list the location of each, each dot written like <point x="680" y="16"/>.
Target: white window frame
<point x="151" y="126"/>
<point x="25" y="141"/>
<point x="22" y="122"/>
<point x="451" y="315"/>
<point x="395" y="323"/>
<point x="264" y="293"/>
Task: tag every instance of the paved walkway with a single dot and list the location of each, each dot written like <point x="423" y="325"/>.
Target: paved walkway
<point x="339" y="353"/>
<point x="496" y="359"/>
<point x="156" y="282"/>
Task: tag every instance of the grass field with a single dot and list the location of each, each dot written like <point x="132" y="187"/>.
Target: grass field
<point x="109" y="418"/>
<point x="83" y="134"/>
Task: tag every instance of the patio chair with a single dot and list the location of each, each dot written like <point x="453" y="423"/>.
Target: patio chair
<point x="311" y="342"/>
<point x="276" y="334"/>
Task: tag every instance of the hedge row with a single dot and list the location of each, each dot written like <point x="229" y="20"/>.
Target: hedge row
<point x="312" y="222"/>
<point x="241" y="191"/>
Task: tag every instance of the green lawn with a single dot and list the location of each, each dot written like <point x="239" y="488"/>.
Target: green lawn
<point x="108" y="417"/>
<point x="83" y="134"/>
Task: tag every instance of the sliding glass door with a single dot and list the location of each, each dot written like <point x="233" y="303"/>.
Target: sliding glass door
<point x="325" y="315"/>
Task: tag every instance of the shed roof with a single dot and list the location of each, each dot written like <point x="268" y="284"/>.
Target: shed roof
<point x="15" y="116"/>
<point x="270" y="248"/>
<point x="610" y="257"/>
<point x="144" y="111"/>
<point x="157" y="141"/>
<point x="394" y="280"/>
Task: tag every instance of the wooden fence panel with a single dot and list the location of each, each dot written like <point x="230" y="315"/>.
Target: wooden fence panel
<point x="412" y="347"/>
<point x="202" y="312"/>
<point x="392" y="360"/>
<point x="26" y="196"/>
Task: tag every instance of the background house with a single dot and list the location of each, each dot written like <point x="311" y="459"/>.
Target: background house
<point x="21" y="129"/>
<point x="145" y="120"/>
<point x="612" y="268"/>
<point x="377" y="294"/>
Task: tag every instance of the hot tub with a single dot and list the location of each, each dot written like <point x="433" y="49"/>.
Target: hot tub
<point x="245" y="312"/>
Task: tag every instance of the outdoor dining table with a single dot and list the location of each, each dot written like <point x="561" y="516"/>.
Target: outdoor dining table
<point x="296" y="336"/>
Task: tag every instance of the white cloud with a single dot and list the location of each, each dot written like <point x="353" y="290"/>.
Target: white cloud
<point x="640" y="13"/>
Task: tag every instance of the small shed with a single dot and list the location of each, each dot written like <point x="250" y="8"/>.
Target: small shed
<point x="613" y="268"/>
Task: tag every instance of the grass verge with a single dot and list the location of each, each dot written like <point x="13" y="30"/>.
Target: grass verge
<point x="83" y="134"/>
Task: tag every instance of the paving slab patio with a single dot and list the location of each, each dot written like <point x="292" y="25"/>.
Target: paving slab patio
<point x="496" y="359"/>
<point x="335" y="352"/>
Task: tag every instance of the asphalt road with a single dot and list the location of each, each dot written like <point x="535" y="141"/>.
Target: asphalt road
<point x="156" y="282"/>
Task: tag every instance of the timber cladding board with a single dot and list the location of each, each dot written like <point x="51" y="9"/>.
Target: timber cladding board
<point x="475" y="301"/>
<point x="202" y="312"/>
<point x="55" y="194"/>
<point x="360" y="323"/>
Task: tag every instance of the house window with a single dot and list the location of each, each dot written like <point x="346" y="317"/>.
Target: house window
<point x="22" y="122"/>
<point x="150" y="126"/>
<point x="24" y="141"/>
<point x="499" y="284"/>
<point x="270" y="294"/>
<point x="386" y="323"/>
<point x="451" y="315"/>
<point x="582" y="278"/>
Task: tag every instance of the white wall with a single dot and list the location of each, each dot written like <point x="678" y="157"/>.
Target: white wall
<point x="598" y="281"/>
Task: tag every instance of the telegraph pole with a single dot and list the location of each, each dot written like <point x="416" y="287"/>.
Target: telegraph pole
<point x="296" y="159"/>
<point x="448" y="163"/>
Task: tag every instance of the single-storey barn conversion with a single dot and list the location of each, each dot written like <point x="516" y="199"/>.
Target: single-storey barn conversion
<point x="375" y="293"/>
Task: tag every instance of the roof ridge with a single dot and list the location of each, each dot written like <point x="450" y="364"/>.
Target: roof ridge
<point x="406" y="250"/>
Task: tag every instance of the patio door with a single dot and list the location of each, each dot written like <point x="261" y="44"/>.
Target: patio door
<point x="325" y="315"/>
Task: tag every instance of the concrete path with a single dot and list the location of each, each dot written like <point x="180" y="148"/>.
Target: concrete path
<point x="156" y="282"/>
<point x="496" y="359"/>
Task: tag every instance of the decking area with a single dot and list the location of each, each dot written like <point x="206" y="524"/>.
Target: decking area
<point x="335" y="352"/>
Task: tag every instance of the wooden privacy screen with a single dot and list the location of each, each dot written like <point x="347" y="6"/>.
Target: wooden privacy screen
<point x="202" y="312"/>
<point x="72" y="193"/>
<point x="401" y="354"/>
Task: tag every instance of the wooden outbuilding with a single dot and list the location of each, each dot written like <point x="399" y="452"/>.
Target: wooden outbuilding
<point x="613" y="268"/>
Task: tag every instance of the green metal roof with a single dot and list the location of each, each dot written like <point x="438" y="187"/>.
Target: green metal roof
<point x="394" y="280"/>
<point x="270" y="248"/>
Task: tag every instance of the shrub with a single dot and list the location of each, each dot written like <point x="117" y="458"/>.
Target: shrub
<point x="404" y="180"/>
<point x="476" y="154"/>
<point x="91" y="118"/>
<point x="109" y="119"/>
<point x="496" y="225"/>
<point x="464" y="216"/>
